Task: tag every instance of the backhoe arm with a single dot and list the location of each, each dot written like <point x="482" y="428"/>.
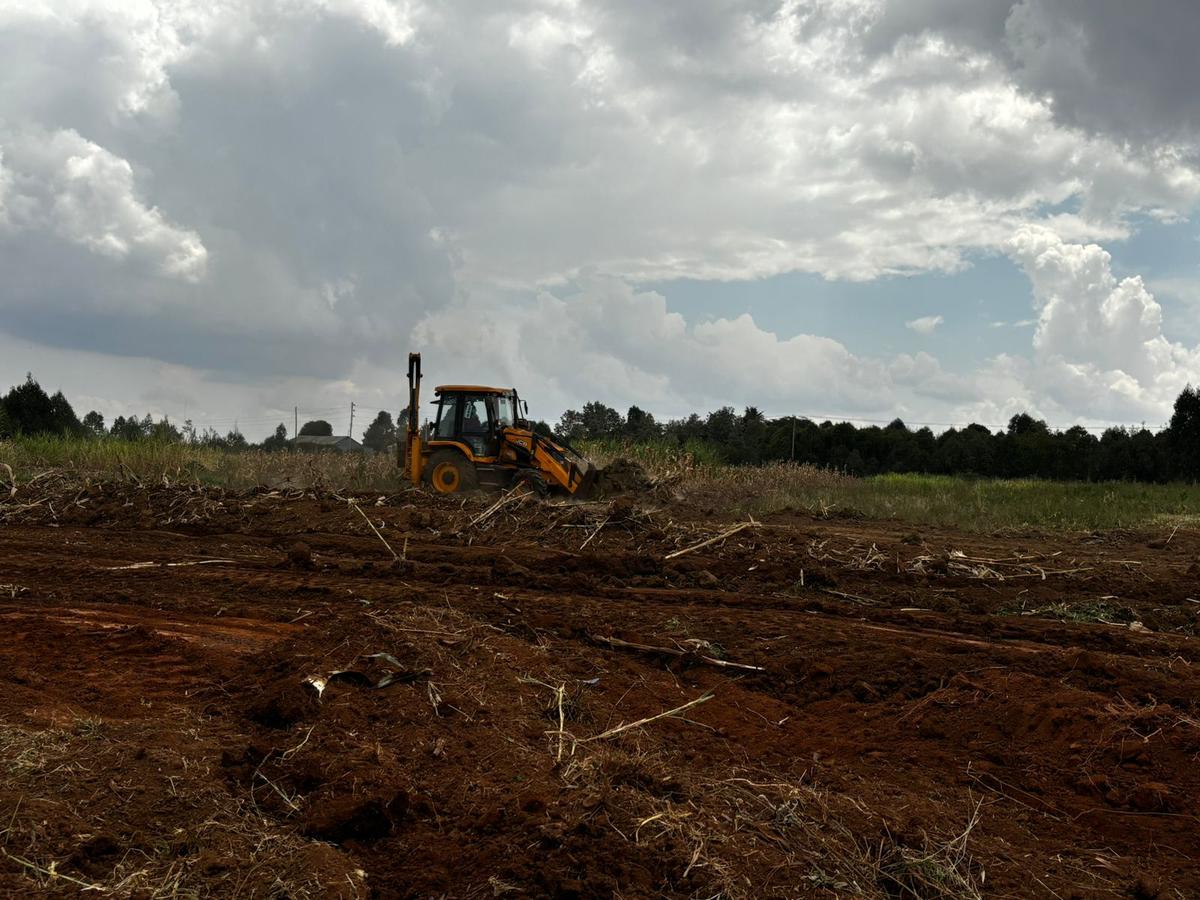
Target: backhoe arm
<point x="414" y="461"/>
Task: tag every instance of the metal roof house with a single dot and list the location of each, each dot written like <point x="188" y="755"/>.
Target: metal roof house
<point x="319" y="442"/>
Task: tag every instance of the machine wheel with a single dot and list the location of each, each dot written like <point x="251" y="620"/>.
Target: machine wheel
<point x="533" y="482"/>
<point x="451" y="473"/>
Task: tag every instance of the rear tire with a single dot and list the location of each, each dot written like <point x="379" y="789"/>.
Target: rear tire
<point x="449" y="472"/>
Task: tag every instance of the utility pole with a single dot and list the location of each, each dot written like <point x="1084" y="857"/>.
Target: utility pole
<point x="295" y="422"/>
<point x="793" y="438"/>
<point x="351" y="418"/>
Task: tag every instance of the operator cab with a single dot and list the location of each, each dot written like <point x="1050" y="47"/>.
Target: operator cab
<point x="475" y="416"/>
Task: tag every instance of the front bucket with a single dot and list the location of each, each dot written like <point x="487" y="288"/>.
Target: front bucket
<point x="588" y="482"/>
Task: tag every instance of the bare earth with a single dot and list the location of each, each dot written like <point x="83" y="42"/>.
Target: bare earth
<point x="899" y="713"/>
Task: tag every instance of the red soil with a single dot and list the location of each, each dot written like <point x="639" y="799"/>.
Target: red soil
<point x="157" y="730"/>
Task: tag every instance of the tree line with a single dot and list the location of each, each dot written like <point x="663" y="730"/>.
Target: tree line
<point x="27" y="409"/>
<point x="1027" y="447"/>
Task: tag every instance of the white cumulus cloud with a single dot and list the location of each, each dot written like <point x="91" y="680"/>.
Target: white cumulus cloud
<point x="66" y="185"/>
<point x="924" y="324"/>
<point x="605" y="339"/>
<point x="1098" y="354"/>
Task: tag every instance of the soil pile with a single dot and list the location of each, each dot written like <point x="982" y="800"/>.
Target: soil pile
<point x="622" y="476"/>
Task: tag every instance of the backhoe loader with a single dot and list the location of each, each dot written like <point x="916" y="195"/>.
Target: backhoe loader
<point x="479" y="437"/>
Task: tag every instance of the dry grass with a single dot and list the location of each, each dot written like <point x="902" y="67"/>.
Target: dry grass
<point x="244" y="854"/>
<point x="966" y="503"/>
<point x="938" y="870"/>
<point x="972" y="504"/>
<point x="713" y="827"/>
<point x="158" y="462"/>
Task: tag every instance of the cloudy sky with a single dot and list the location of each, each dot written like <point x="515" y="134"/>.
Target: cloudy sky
<point x="947" y="210"/>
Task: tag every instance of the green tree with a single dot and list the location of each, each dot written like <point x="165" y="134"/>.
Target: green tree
<point x="1183" y="434"/>
<point x="721" y="426"/>
<point x="127" y="429"/>
<point x="65" y="420"/>
<point x="32" y="411"/>
<point x="163" y="431"/>
<point x="1027" y="448"/>
<point x="93" y="424"/>
<point x="750" y="436"/>
<point x="381" y="433"/>
<point x="600" y="421"/>
<point x="233" y="440"/>
<point x="278" y="440"/>
<point x="316" y="428"/>
<point x="640" y="425"/>
<point x="570" y="426"/>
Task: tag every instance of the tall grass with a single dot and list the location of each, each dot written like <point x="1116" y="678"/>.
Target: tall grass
<point x="977" y="504"/>
<point x="658" y="457"/>
<point x="113" y="456"/>
<point x="996" y="503"/>
<point x="150" y="460"/>
<point x="693" y="471"/>
<point x="982" y="504"/>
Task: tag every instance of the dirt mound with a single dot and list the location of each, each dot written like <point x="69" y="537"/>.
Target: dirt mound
<point x="622" y="476"/>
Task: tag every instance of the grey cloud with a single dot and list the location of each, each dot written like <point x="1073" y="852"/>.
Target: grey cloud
<point x="1114" y="66"/>
<point x="294" y="177"/>
<point x="975" y="23"/>
<point x="1111" y="66"/>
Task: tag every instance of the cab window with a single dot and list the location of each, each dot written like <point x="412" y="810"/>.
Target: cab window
<point x="447" y="416"/>
<point x="475" y="415"/>
<point x="504" y="411"/>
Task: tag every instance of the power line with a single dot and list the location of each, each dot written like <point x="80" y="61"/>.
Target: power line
<point x="267" y="420"/>
<point x="261" y="419"/>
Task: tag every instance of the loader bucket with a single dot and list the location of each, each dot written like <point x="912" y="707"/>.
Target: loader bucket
<point x="588" y="483"/>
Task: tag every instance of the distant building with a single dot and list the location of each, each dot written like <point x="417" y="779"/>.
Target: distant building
<point x="313" y="443"/>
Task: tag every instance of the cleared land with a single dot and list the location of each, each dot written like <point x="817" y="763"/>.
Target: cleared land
<point x="217" y="692"/>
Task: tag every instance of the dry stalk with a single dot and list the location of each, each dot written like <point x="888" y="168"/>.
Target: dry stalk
<point x="562" y="734"/>
<point x="594" y="533"/>
<point x="374" y="529"/>
<point x="621" y="729"/>
<point x="958" y="563"/>
<point x="853" y="598"/>
<point x="172" y="565"/>
<point x="558" y="694"/>
<point x="713" y="540"/>
<point x="517" y="492"/>
<point x="52" y="872"/>
<point x="671" y="651"/>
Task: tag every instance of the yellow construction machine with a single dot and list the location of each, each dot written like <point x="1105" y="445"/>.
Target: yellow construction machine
<point x="479" y="437"/>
